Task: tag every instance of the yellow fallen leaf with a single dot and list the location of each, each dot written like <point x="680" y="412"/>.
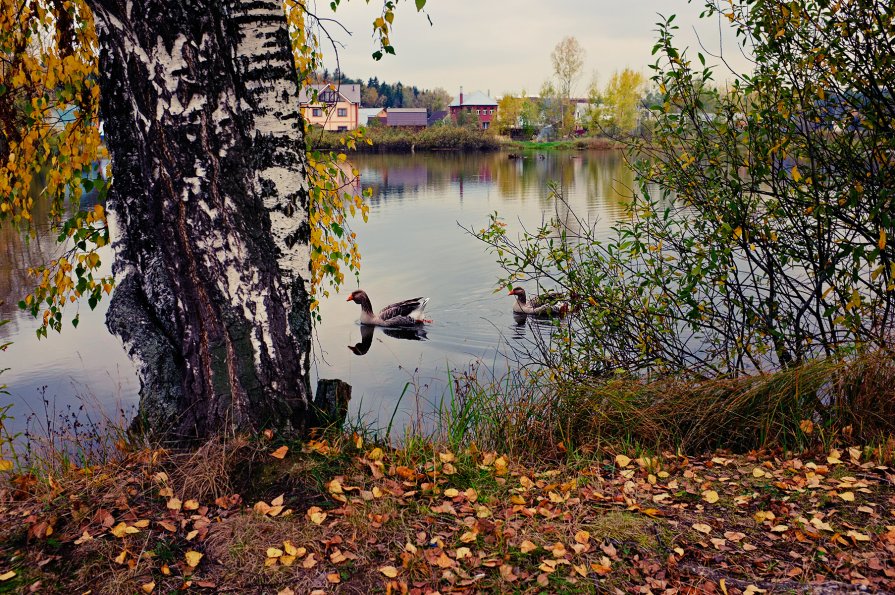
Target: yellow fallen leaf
<point x="468" y="537"/>
<point x="710" y="496"/>
<point x="190" y="505"/>
<point x="463" y="552"/>
<point x="582" y="537"/>
<point x="779" y="528"/>
<point x="857" y="536"/>
<point x="446" y="457"/>
<point x="702" y="528"/>
<point x="278" y="501"/>
<point x="119" y="530"/>
<point x="376" y="454"/>
<point x="7" y="575"/>
<point x="333" y="578"/>
<point x="443" y="561"/>
<point x="389" y="571"/>
<point x="334" y="487"/>
<point x="622" y="460"/>
<point x="174" y="504"/>
<point x="120" y="558"/>
<point x="280" y="453"/>
<point x="5" y="465"/>
<point x="527" y="546"/>
<point x="273" y="552"/>
<point x="451" y="493"/>
<point x="847" y="496"/>
<point x="148" y="587"/>
<point x="286" y="560"/>
<point x="192" y="558"/>
<point x="506" y="573"/>
<point x="758" y="472"/>
<point x="309" y="562"/>
<point x="316" y="515"/>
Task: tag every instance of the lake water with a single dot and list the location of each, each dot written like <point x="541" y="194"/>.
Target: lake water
<point x="411" y="246"/>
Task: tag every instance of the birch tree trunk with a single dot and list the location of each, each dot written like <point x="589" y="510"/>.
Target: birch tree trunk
<point x="209" y="207"/>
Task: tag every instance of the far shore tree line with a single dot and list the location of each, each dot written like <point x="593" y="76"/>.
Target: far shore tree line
<point x="559" y="109"/>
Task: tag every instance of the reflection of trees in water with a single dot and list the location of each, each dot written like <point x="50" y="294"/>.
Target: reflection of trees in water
<point x="21" y="250"/>
<point x="18" y="252"/>
<point x="601" y="176"/>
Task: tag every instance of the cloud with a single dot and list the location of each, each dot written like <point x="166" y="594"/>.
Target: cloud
<point x="505" y="45"/>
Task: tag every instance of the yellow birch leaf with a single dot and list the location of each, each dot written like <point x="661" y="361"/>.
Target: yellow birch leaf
<point x="527" y="546"/>
<point x="193" y="558"/>
<point x="389" y="571"/>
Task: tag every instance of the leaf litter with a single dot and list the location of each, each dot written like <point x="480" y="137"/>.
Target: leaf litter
<point x="384" y="520"/>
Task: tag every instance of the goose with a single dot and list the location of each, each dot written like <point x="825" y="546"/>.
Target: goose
<point x="548" y="304"/>
<point x="406" y="313"/>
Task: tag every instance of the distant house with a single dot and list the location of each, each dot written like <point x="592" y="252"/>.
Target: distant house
<point x="437" y="117"/>
<point x="406" y="117"/>
<point x="483" y="106"/>
<point x="376" y="114"/>
<point x="336" y="107"/>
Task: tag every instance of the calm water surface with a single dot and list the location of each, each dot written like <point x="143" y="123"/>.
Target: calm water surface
<point x="412" y="245"/>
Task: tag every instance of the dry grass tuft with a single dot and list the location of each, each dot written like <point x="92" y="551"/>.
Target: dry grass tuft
<point x="211" y="470"/>
<point x="816" y="403"/>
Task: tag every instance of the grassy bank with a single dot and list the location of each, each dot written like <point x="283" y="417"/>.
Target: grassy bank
<point x="450" y="138"/>
<point x="815" y="404"/>
<point x="597" y="143"/>
<point x="780" y="482"/>
<point x="394" y="140"/>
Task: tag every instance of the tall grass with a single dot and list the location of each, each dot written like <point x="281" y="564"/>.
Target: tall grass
<point x="817" y="403"/>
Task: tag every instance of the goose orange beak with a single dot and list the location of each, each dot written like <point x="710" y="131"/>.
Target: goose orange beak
<point x="511" y="293"/>
<point x="349" y="299"/>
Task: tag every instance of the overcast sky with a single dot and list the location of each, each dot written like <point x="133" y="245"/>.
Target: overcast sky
<point x="504" y="45"/>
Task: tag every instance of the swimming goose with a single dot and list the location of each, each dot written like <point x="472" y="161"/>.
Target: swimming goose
<point x="548" y="304"/>
<point x="406" y="313"/>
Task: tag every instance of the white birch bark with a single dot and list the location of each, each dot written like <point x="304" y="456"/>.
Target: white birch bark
<point x="209" y="204"/>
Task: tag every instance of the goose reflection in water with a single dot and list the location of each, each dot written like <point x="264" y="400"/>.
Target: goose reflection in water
<point x="541" y="328"/>
<point x="367" y="331"/>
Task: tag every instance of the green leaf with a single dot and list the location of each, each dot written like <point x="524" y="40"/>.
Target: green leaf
<point x="420" y="4"/>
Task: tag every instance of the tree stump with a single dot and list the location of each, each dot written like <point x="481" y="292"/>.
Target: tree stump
<point x="331" y="402"/>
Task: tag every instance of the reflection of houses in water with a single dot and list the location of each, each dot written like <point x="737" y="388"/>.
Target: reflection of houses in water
<point x="481" y="176"/>
<point x="394" y="181"/>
